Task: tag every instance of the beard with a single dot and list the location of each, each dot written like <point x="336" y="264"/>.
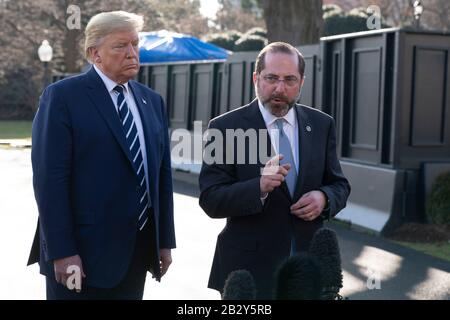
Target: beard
<point x="277" y="104"/>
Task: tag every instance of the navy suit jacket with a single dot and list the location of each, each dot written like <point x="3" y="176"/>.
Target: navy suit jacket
<point x="84" y="182"/>
<point x="257" y="237"/>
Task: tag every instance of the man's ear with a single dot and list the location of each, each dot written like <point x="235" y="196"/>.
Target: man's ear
<point x="94" y="55"/>
<point x="302" y="81"/>
<point x="255" y="76"/>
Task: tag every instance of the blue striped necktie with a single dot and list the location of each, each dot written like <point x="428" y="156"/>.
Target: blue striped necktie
<point x="291" y="178"/>
<point x="132" y="138"/>
<point x="286" y="150"/>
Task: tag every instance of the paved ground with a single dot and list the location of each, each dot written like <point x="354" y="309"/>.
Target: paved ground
<point x="392" y="271"/>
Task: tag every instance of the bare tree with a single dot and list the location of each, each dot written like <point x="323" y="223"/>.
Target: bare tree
<point x="399" y="13"/>
<point x="181" y="16"/>
<point x="24" y="24"/>
<point x="436" y="15"/>
<point x="396" y="13"/>
<point x="232" y="16"/>
<point x="297" y="22"/>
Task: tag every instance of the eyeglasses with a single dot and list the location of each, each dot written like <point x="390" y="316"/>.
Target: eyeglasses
<point x="290" y="81"/>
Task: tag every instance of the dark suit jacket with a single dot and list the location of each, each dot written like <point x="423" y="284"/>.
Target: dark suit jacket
<point x="257" y="237"/>
<point x="84" y="182"/>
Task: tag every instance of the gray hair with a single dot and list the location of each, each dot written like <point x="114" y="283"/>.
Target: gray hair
<point x="105" y="23"/>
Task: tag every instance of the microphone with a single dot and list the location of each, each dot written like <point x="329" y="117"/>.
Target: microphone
<point x="325" y="248"/>
<point x="298" y="278"/>
<point x="239" y="285"/>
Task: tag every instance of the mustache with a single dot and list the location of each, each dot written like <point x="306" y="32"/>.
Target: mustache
<point x="279" y="97"/>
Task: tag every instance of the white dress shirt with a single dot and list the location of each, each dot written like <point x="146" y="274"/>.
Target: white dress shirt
<point x="290" y="128"/>
<point x="131" y="103"/>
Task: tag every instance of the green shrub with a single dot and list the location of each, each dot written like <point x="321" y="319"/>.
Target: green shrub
<point x="438" y="202"/>
<point x="256" y="31"/>
<point x="337" y="21"/>
<point x="224" y="40"/>
<point x="221" y="40"/>
<point x="250" y="43"/>
<point x="331" y="9"/>
<point x="234" y="35"/>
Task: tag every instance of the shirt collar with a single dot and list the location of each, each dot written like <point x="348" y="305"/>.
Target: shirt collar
<point x="110" y="84"/>
<point x="269" y="118"/>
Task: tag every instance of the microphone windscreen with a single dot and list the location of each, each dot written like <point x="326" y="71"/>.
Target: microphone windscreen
<point x="325" y="248"/>
<point x="298" y="278"/>
<point x="239" y="285"/>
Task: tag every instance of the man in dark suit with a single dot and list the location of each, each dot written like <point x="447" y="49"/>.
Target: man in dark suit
<point x="272" y="207"/>
<point x="102" y="174"/>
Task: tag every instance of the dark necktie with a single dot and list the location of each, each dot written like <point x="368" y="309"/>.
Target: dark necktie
<point x="291" y="178"/>
<point x="286" y="150"/>
<point x="132" y="138"/>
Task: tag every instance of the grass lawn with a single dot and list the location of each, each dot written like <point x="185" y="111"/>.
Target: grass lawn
<point x="436" y="249"/>
<point x="15" y="129"/>
<point x="439" y="250"/>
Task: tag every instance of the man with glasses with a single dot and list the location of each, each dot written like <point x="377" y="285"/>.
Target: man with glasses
<point x="273" y="208"/>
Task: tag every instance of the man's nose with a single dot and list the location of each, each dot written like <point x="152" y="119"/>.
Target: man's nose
<point x="131" y="51"/>
<point x="280" y="86"/>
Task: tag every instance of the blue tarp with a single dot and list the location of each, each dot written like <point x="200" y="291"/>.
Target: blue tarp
<point x="164" y="46"/>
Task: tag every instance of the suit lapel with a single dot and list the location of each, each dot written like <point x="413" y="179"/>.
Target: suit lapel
<point x="305" y="147"/>
<point x="257" y="121"/>
<point x="102" y="101"/>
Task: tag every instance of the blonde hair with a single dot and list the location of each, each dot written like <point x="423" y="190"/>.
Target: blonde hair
<point x="106" y="23"/>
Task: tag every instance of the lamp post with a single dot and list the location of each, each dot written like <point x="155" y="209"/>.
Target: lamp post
<point x="418" y="10"/>
<point x="45" y="53"/>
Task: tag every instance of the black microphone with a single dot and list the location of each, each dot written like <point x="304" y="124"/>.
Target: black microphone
<point x="298" y="278"/>
<point x="325" y="248"/>
<point x="239" y="285"/>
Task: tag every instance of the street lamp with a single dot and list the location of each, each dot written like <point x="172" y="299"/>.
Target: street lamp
<point x="45" y="53"/>
<point x="418" y="10"/>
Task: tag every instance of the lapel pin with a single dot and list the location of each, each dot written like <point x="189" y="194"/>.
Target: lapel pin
<point x="308" y="128"/>
<point x="143" y="100"/>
